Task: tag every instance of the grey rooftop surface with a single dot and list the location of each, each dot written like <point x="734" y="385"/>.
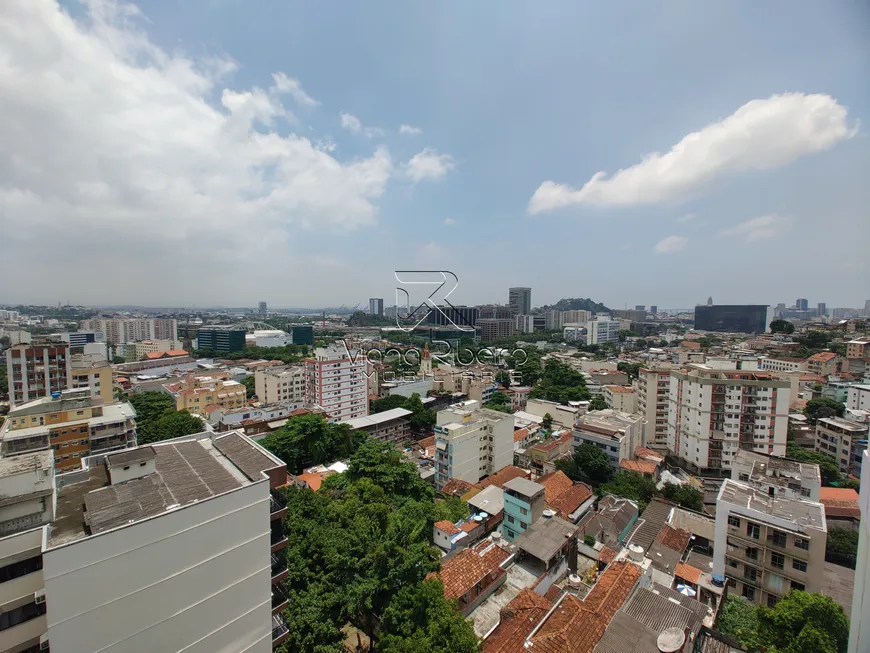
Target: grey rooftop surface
<point x="251" y="460"/>
<point x="11" y="465"/>
<point x="524" y="486"/>
<point x="647" y="528"/>
<point x="625" y="634"/>
<point x="130" y="456"/>
<point x="801" y="513"/>
<point x="490" y="500"/>
<point x="546" y="537"/>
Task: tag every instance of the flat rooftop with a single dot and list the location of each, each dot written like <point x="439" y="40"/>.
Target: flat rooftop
<point x="112" y="413"/>
<point x="801" y="513"/>
<point x="546" y="537"/>
<point x="28" y="462"/>
<point x="187" y="471"/>
<point x="377" y="418"/>
<point x="523" y="486"/>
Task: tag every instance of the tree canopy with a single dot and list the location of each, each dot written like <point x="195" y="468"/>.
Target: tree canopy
<point x="310" y="440"/>
<point x="685" y="495"/>
<point x="781" y="326"/>
<point x="842" y="547"/>
<point x="288" y="354"/>
<point x="822" y="407"/>
<point x="828" y="467"/>
<point x="499" y="401"/>
<point x="250" y="386"/>
<point x="560" y="383"/>
<point x="631" y="485"/>
<point x="422" y="418"/>
<point x="157" y="419"/>
<point x="588" y="463"/>
<point x="597" y="403"/>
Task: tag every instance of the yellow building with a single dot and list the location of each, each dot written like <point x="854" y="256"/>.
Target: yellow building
<point x="196" y="394"/>
<point x="96" y="375"/>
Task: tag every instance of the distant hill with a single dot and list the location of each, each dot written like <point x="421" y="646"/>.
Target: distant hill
<point x="580" y="304"/>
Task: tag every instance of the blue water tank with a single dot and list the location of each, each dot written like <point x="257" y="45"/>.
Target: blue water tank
<point x="55" y="395"/>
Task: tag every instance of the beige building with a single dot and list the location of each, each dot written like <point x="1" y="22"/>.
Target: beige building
<point x="280" y="384"/>
<point x="137" y="351"/>
<point x="576" y="317"/>
<point x="196" y="394"/>
<point x="494" y="328"/>
<point x="620" y="397"/>
<point x="74" y="426"/>
<point x="93" y="374"/>
<point x="824" y="363"/>
<point x="388" y="426"/>
<point x="836" y="437"/>
<point x="652" y="388"/>
<point x="121" y="330"/>
<point x="766" y="545"/>
<point x="783" y="364"/>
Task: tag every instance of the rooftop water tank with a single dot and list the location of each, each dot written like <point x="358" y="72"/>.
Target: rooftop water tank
<point x="635" y="552"/>
<point x="549" y="514"/>
<point x="671" y="640"/>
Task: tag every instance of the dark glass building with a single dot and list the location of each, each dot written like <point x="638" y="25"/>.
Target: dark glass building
<point x="222" y="341"/>
<point x="302" y="335"/>
<point x="464" y="317"/>
<point x="748" y="318"/>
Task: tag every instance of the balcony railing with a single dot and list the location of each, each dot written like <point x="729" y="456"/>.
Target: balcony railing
<point x="279" y="599"/>
<point x="279" y="630"/>
<point x="279" y="566"/>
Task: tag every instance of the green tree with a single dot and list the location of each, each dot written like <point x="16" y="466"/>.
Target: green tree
<point x="631" y="485"/>
<point x="738" y="618"/>
<point x="309" y="439"/>
<point x="842" y="548"/>
<point x="388" y="403"/>
<point x="803" y="623"/>
<point x="815" y="340"/>
<point x="597" y="403"/>
<point x="828" y="467"/>
<point x="591" y="463"/>
<point x="631" y="369"/>
<point x="685" y="495"/>
<point x="499" y="401"/>
<point x="173" y="424"/>
<point x="547" y="422"/>
<point x="422" y="418"/>
<point x="250" y="386"/>
<point x="504" y="378"/>
<point x="452" y="509"/>
<point x="781" y="326"/>
<point x="116" y="360"/>
<point x="822" y="407"/>
<point x="560" y="383"/>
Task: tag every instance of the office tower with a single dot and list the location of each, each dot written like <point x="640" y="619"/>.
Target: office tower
<point x="463" y="317"/>
<point x="821" y="309"/>
<point x="263" y="309"/>
<point x="780" y="309"/>
<point x="376" y="306"/>
<point x="653" y="309"/>
<point x="748" y="318"/>
<point x="336" y="379"/>
<point x="602" y="329"/>
<point x="472" y="443"/>
<point x="867" y="308"/>
<point x="221" y="340"/>
<point x="653" y="386"/>
<point x="520" y="301"/>
<point x="801" y="304"/>
<point x="302" y="334"/>
<point x="37" y="370"/>
<point x="82" y="338"/>
<point x="712" y="414"/>
<point x="494" y="312"/>
<point x="554" y="320"/>
<point x="768" y="544"/>
<point x="640" y="307"/>
<point x="281" y="384"/>
<point x="709" y="301"/>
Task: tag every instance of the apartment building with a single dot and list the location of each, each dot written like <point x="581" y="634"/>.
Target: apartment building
<point x="782" y="364"/>
<point x="652" y="388"/>
<point x="768" y="545"/>
<point x="824" y="363"/>
<point x="576" y="317"/>
<point x="523" y="505"/>
<point x="776" y="476"/>
<point x="92" y="373"/>
<point x="857" y="356"/>
<point x="837" y="437"/>
<point x="617" y="434"/>
<point x="122" y="330"/>
<point x="74" y="425"/>
<point x="178" y="544"/>
<point x="857" y="397"/>
<point x="197" y="394"/>
<point x="494" y="328"/>
<point x="859" y="634"/>
<point x="280" y="384"/>
<point x="388" y="426"/>
<point x="601" y="329"/>
<point x="37" y="370"/>
<point x="714" y="413"/>
<point x="337" y="380"/>
<point x="471" y="444"/>
<point x="520" y="301"/>
<point x="553" y="320"/>
<point x="620" y="397"/>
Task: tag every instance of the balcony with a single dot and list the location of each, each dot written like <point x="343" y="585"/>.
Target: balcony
<point x="277" y="536"/>
<point x="279" y="599"/>
<point x="279" y="568"/>
<point x="21" y="624"/>
<point x="280" y="632"/>
<point x="277" y="507"/>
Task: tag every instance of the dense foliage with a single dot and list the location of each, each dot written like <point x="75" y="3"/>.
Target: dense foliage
<point x="308" y="440"/>
<point x="588" y="463"/>
<point x="288" y="354"/>
<point x="781" y="326"/>
<point x="499" y="401"/>
<point x="685" y="495"/>
<point x="250" y="386"/>
<point x="631" y="369"/>
<point x="560" y="383"/>
<point x="452" y="509"/>
<point x="822" y="407"/>
<point x="157" y="419"/>
<point x="631" y="485"/>
<point x="576" y="304"/>
<point x="422" y="418"/>
<point x="358" y="551"/>
<point x="597" y="403"/>
<point x="842" y="548"/>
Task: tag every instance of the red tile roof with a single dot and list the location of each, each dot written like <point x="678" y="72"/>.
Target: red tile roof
<point x="675" y="539"/>
<point x="446" y="526"/>
<point x="606" y="555"/>
<point x="502" y="476"/>
<point x="455" y="487"/>
<point x="643" y="452"/>
<point x="823" y="357"/>
<point x="426" y="443"/>
<point x="687" y="572"/>
<point x="520" y="435"/>
<point x="468" y="567"/>
<point x="838" y="493"/>
<point x="469" y="526"/>
<point x="555" y="483"/>
<point x="314" y="480"/>
<point x="690" y="345"/>
<point x="517" y="619"/>
<point x="571" y="499"/>
<point x="176" y="352"/>
<point x="840" y="502"/>
<point x="639" y="466"/>
<point x="619" y="388"/>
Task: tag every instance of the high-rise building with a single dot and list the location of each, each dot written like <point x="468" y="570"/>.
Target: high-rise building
<point x="336" y="379"/>
<point x="768" y="544"/>
<point x="709" y="301"/>
<point x="464" y="317"/>
<point x="859" y="633"/>
<point x="712" y="414"/>
<point x="73" y="426"/>
<point x="525" y="323"/>
<point x="653" y="309"/>
<point x="82" y="338"/>
<point x="472" y="443"/>
<point x="867" y="308"/>
<point x="640" y="307"/>
<point x="653" y="385"/>
<point x="37" y="370"/>
<point x="493" y="312"/>
<point x="178" y="544"/>
<point x="838" y="438"/>
<point x="221" y="340"/>
<point x="602" y="329"/>
<point x="637" y="315"/>
<point x="821" y="309"/>
<point x="494" y="329"/>
<point x="281" y="384"/>
<point x="731" y="318"/>
<point x="263" y="309"/>
<point x="577" y="316"/>
<point x="376" y="306"/>
<point x="302" y="334"/>
<point x="520" y="301"/>
<point x="801" y="304"/>
<point x="119" y="331"/>
<point x="554" y="320"/>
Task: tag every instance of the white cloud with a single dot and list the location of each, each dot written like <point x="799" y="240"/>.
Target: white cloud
<point x="409" y="130"/>
<point x="765" y="226"/>
<point x="428" y="164"/>
<point x="449" y="222"/>
<point x="284" y="84"/>
<point x="683" y="219"/>
<point x="760" y="135"/>
<point x="352" y="124"/>
<point x="671" y="245"/>
<point x="110" y="145"/>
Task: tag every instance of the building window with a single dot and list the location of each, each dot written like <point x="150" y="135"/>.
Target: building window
<point x="523" y="511"/>
<point x="749" y="592"/>
<point x="777" y="560"/>
<point x="752" y="554"/>
<point x="732" y="563"/>
<point x="772" y="600"/>
<point x="743" y="477"/>
<point x="799" y="565"/>
<point x="798" y="586"/>
<point x="753" y="530"/>
<point x="733" y="521"/>
<point x="778" y="539"/>
<point x="511" y="519"/>
<point x="801" y="543"/>
<point x="805" y="492"/>
<point x="512" y="535"/>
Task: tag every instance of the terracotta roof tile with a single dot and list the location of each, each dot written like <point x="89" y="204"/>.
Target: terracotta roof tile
<point x="606" y="555"/>
<point x="571" y="499"/>
<point x="687" y="572"/>
<point x="427" y="443"/>
<point x="555" y="483"/>
<point x="520" y="435"/>
<point x="468" y="567"/>
<point x="823" y="356"/>
<point x="314" y="480"/>
<point x="446" y="526"/>
<point x="502" y="476"/>
<point x="455" y="487"/>
<point x="841" y="508"/>
<point x="619" y="388"/>
<point x="517" y="619"/>
<point x="838" y="493"/>
<point x="469" y="526"/>
<point x="639" y="466"/>
<point x="643" y="452"/>
<point x="675" y="539"/>
<point x="613" y="588"/>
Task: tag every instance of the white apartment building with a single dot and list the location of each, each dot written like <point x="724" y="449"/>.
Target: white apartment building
<point x="837" y="437"/>
<point x="714" y="413"/>
<point x="472" y="443"/>
<point x="652" y="387"/>
<point x="766" y="545"/>
<point x="859" y="634"/>
<point x="122" y="330"/>
<point x="782" y="364"/>
<point x="576" y="317"/>
<point x="524" y="323"/>
<point x="280" y="384"/>
<point x="175" y="544"/>
<point x="617" y="434"/>
<point x="620" y="398"/>
<point x="858" y="397"/>
<point x="553" y="320"/>
<point x="601" y="329"/>
<point x="776" y="476"/>
<point x="337" y="380"/>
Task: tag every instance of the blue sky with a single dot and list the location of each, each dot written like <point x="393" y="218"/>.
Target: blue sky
<point x="131" y="130"/>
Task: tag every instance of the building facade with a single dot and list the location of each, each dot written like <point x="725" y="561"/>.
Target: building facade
<point x="653" y="386"/>
<point x="196" y="394"/>
<point x="616" y="434"/>
<point x="523" y="505"/>
<point x="376" y="306"/>
<point x="221" y="341"/>
<point x="766" y="545"/>
<point x="620" y="398"/>
<point x="37" y="370"/>
<point x="471" y="444"/>
<point x="781" y="364"/>
<point x="712" y="414"/>
<point x="118" y="331"/>
<point x="837" y="438"/>
<point x="520" y="301"/>
<point x="337" y="380"/>
<point x="859" y="634"/>
<point x="601" y="329"/>
<point x="302" y="334"/>
<point x="492" y="329"/>
<point x="95" y="375"/>
<point x="388" y="426"/>
<point x="731" y="318"/>
<point x="857" y="397"/>
<point x="280" y="384"/>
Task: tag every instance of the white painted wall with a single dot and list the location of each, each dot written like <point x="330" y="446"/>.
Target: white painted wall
<point x="859" y="635"/>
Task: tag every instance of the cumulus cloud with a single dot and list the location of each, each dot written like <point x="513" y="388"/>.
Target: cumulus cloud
<point x="765" y="226"/>
<point x="410" y="130"/>
<point x="760" y="135"/>
<point x="353" y="124"/>
<point x="428" y="164"/>
<point x="108" y="140"/>
<point x="449" y="222"/>
<point x="671" y="245"/>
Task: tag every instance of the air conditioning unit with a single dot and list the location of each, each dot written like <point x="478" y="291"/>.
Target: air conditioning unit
<point x="39" y="596"/>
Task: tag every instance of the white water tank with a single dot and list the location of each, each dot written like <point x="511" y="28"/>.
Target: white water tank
<point x="549" y="514"/>
<point x="635" y="552"/>
<point x="574" y="581"/>
<point x="496" y="536"/>
<point x="671" y="640"/>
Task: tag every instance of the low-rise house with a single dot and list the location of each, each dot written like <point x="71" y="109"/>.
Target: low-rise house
<point x="542" y="456"/>
<point x="569" y="500"/>
<point x="519" y="395"/>
<point x="549" y="547"/>
<point x="253" y="420"/>
<point x="644" y="467"/>
<point x="563" y="416"/>
<point x="611" y="523"/>
<point x="473" y="574"/>
<point x="824" y="363"/>
<point x="489" y="503"/>
<point x="841" y="508"/>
